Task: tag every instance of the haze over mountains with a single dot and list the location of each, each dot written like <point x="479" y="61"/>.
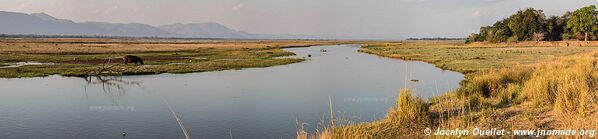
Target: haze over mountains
<point x="44" y="24"/>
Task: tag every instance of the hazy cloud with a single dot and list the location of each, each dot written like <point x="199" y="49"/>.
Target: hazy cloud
<point x="476" y="13"/>
<point x="237" y="7"/>
<point x="24" y="6"/>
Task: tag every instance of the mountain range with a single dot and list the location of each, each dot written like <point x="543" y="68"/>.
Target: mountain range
<point x="13" y="23"/>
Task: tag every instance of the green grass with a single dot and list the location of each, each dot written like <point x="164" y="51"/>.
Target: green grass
<point x="206" y="59"/>
<point x="456" y="56"/>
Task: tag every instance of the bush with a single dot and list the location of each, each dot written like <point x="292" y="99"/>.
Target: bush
<point x="538" y="36"/>
<point x="410" y="109"/>
<point x="509" y="94"/>
<point x="568" y="36"/>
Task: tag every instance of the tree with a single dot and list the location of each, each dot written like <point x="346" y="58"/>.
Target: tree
<point x="500" y="31"/>
<point x="584" y="20"/>
<point x="483" y="36"/>
<point x="524" y="24"/>
<point x="472" y="38"/>
<point x="555" y="27"/>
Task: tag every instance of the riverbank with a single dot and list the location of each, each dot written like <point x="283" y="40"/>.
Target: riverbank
<point x="79" y="57"/>
<point x="470" y="58"/>
<point x="509" y="88"/>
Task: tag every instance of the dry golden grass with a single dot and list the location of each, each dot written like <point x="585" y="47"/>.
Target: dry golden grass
<point x="546" y="95"/>
<point x="406" y="120"/>
<point x="570" y="83"/>
<point x="409" y="109"/>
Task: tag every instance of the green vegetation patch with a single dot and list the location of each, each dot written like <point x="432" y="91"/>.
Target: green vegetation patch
<point x="200" y="60"/>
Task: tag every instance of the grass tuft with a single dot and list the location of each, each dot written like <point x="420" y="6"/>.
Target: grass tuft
<point x="409" y="109"/>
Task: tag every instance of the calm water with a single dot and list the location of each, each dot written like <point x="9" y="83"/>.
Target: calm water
<point x="248" y="103"/>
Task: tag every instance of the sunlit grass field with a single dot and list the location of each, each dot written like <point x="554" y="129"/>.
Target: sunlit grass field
<point x="457" y="56"/>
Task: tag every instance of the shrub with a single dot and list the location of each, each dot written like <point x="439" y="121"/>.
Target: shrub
<point x="509" y="94"/>
<point x="409" y="109"/>
<point x="538" y="36"/>
<point x="568" y="36"/>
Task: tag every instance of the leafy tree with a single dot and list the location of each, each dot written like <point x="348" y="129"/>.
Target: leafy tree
<point x="584" y="20"/>
<point x="524" y="24"/>
<point x="483" y="33"/>
<point x="472" y="38"/>
<point x="500" y="31"/>
<point x="556" y="26"/>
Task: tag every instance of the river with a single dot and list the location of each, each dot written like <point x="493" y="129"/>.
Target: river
<point x="247" y="103"/>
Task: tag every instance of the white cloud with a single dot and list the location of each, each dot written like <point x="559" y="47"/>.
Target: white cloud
<point x="238" y="7"/>
<point x="476" y="13"/>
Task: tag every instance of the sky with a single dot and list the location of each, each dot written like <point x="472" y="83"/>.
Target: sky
<point x="372" y="18"/>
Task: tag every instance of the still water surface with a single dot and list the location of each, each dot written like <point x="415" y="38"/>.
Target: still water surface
<point x="248" y="103"/>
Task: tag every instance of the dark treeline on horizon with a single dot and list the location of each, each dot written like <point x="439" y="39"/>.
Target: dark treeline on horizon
<point x="532" y="25"/>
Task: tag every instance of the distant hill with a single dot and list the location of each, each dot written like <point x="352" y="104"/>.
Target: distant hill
<point x="44" y="24"/>
<point x="207" y="30"/>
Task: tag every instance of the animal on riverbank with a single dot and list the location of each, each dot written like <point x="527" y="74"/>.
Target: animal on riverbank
<point x="132" y="59"/>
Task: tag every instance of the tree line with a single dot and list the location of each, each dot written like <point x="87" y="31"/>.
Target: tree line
<point x="532" y="25"/>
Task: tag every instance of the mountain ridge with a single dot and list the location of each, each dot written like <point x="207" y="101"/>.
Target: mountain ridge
<point x="15" y="23"/>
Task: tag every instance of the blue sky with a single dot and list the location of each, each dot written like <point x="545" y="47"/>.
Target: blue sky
<point x="383" y="18"/>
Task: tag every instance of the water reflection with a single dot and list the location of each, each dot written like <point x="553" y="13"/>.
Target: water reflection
<point x="115" y="87"/>
<point x="111" y="86"/>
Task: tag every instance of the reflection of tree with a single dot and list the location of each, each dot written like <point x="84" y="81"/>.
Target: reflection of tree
<point x="103" y="69"/>
<point x="113" y="87"/>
